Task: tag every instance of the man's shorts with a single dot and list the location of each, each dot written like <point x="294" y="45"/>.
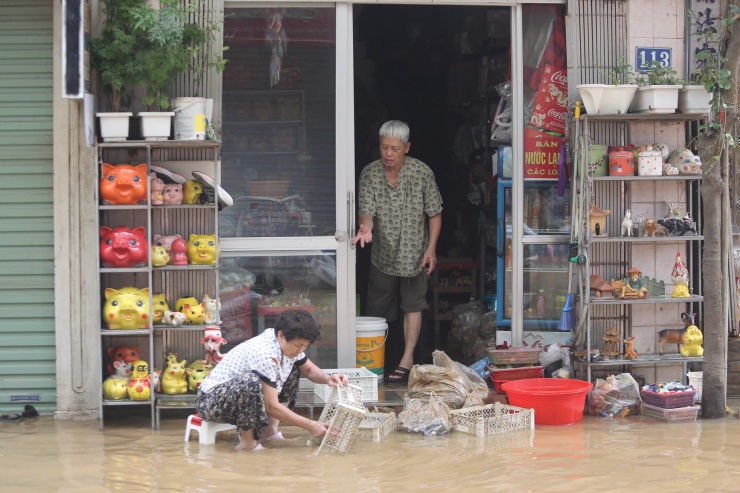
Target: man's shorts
<point x="383" y="293"/>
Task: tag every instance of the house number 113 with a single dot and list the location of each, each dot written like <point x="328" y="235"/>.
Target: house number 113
<point x="646" y="58"/>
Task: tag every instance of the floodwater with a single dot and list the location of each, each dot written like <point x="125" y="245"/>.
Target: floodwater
<point x="635" y="454"/>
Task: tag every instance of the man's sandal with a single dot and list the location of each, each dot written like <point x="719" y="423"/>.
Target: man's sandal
<point x="399" y="375"/>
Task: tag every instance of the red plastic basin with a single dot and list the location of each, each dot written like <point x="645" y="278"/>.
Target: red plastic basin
<point x="556" y="401"/>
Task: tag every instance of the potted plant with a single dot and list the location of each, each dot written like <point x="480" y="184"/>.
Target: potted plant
<point x="709" y="75"/>
<point x="657" y="91"/>
<point x="113" y="56"/>
<point x="178" y="40"/>
<point x="613" y="98"/>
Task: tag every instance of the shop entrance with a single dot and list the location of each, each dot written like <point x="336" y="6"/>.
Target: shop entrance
<point x="437" y="68"/>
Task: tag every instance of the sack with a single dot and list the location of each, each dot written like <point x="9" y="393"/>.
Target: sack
<point x="451" y="382"/>
<point x="430" y="417"/>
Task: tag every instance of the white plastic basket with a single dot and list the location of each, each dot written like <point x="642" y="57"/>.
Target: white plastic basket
<point x="492" y="419"/>
<point x="377" y="426"/>
<point x="344" y="412"/>
<point x="362" y="377"/>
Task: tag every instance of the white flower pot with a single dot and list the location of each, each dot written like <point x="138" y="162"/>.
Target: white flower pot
<point x="694" y="99"/>
<point x="156" y="125"/>
<point x="606" y="99"/>
<point x="114" y="126"/>
<point x="655" y="99"/>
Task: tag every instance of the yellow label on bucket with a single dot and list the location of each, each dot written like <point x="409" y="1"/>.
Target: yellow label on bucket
<point x="200" y="123"/>
<point x="371" y="353"/>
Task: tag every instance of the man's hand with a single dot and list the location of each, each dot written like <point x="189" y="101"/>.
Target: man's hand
<point x="338" y="380"/>
<point x="363" y="236"/>
<point x="429" y="261"/>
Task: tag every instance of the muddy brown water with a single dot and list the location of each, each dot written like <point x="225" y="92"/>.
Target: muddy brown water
<point x="634" y="454"/>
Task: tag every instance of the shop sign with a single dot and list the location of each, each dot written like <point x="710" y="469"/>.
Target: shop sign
<point x="75" y="48"/>
<point x="541" y="155"/>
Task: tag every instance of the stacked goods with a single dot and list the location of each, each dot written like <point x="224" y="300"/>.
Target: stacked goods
<point x="671" y="401"/>
<point x="513" y="364"/>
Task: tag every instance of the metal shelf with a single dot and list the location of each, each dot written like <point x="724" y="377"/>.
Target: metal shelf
<point x="653" y="300"/>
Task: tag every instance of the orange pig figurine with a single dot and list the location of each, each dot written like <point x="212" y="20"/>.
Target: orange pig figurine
<point x="123" y="184"/>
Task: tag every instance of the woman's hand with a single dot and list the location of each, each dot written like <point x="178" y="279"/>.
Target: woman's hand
<point x="338" y="380"/>
<point x="318" y="429"/>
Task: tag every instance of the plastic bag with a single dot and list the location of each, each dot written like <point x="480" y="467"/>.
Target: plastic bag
<point x="616" y="396"/>
<point x="452" y="382"/>
<point x="430" y="417"/>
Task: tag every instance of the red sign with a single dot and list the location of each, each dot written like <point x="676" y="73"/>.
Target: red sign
<point x="541" y="155"/>
<point x="551" y="103"/>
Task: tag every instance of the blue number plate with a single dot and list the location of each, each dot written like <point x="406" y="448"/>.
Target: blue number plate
<point x="646" y="58"/>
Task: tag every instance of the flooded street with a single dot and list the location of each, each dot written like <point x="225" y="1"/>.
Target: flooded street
<point x="636" y="454"/>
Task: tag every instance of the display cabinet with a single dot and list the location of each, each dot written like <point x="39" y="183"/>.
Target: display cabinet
<point x="135" y="279"/>
<point x="547" y="219"/>
<point x="453" y="284"/>
<point x="610" y="251"/>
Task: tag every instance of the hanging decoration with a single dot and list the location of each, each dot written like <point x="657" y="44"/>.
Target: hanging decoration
<point x="277" y="40"/>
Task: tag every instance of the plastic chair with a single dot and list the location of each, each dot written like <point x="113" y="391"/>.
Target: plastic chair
<point x="206" y="429"/>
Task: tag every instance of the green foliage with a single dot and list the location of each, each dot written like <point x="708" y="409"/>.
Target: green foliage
<point x="658" y="75"/>
<point x="621" y="73"/>
<point x="151" y="47"/>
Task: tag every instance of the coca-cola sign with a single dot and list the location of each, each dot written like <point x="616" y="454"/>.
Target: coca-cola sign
<point x="551" y="102"/>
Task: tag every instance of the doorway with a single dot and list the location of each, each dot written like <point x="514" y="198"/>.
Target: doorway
<point x="436" y="68"/>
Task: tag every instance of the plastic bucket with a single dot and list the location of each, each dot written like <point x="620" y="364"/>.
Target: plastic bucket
<point x="695" y="380"/>
<point x="556" y="401"/>
<point x="371" y="334"/>
<point x="190" y="118"/>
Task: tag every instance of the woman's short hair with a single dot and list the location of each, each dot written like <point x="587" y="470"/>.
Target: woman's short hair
<point x="298" y="324"/>
<point x="395" y="129"/>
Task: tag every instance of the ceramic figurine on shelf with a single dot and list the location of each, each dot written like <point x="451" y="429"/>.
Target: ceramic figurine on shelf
<point x="211" y="308"/>
<point x="597" y="220"/>
<point x="116" y="386"/>
<point x="172" y="194"/>
<point x="140" y="383"/>
<point x="157" y="186"/>
<point x="123" y="247"/>
<point x="193" y="193"/>
<point x="675" y="336"/>
<point x="160" y="257"/>
<point x="159" y="307"/>
<point x="126" y="308"/>
<point x="123" y="184"/>
<point x="176" y="319"/>
<point x="692" y="340"/>
<point x="212" y="342"/>
<point x="166" y="242"/>
<point x="174" y="378"/>
<point x="633" y="285"/>
<point x="680" y="278"/>
<point x="197" y="372"/>
<point x="156" y="380"/>
<point x="125" y="354"/>
<point x="202" y="249"/>
<point x="179" y="255"/>
<point x="191" y="308"/>
<point x="626" y="229"/>
<point x="629" y="349"/>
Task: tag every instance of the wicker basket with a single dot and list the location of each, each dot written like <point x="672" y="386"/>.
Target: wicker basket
<point x="668" y="400"/>
<point x="505" y="375"/>
<point x="674" y="415"/>
<point x="376" y="426"/>
<point x="499" y="357"/>
<point x="362" y="377"/>
<point x="492" y="419"/>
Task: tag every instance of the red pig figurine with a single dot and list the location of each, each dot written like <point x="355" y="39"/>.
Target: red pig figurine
<point x="123" y="247"/>
<point x="123" y="184"/>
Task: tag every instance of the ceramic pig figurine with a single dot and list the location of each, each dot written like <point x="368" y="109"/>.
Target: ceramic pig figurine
<point x="123" y="184"/>
<point x="193" y="193"/>
<point x="166" y="242"/>
<point x="202" y="249"/>
<point x="172" y="194"/>
<point x="157" y="186"/>
<point x="686" y="162"/>
<point x="123" y="247"/>
<point x="191" y="308"/>
<point x="159" y="307"/>
<point x="126" y="308"/>
<point x="140" y="384"/>
<point x="123" y="354"/>
<point x="160" y="257"/>
<point x="116" y="386"/>
<point x="174" y="378"/>
<point x="197" y="372"/>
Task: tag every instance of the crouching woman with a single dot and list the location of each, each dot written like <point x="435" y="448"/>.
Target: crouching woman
<point x="255" y="385"/>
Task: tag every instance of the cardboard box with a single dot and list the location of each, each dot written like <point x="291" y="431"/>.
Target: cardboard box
<point x="541" y="155"/>
<point x="551" y="102"/>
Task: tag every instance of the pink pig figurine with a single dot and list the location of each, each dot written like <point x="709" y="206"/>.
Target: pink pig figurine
<point x="179" y="257"/>
<point x="157" y="186"/>
<point x="172" y="193"/>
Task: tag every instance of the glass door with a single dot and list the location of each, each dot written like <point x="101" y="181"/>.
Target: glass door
<point x="284" y="240"/>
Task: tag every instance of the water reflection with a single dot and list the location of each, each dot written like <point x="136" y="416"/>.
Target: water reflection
<point x="636" y="454"/>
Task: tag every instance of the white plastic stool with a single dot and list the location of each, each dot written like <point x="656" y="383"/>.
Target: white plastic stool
<point x="206" y="429"/>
